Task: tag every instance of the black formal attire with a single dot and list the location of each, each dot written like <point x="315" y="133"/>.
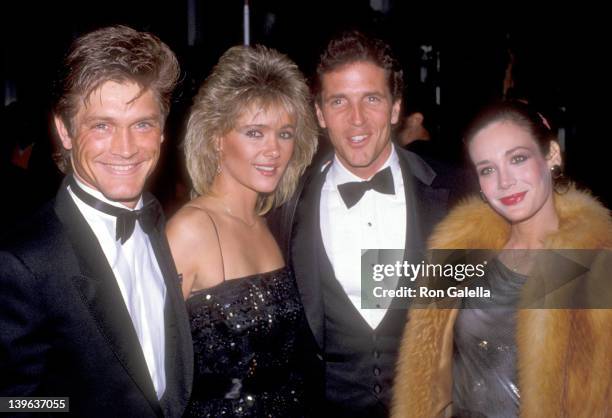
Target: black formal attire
<point x="66" y="330"/>
<point x="358" y="362"/>
<point x="249" y="347"/>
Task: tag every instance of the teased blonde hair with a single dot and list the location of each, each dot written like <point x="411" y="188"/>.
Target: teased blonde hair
<point x="243" y="77"/>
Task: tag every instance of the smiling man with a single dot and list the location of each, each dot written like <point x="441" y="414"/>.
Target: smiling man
<point x="90" y="305"/>
<point x="366" y="194"/>
<point x="115" y="140"/>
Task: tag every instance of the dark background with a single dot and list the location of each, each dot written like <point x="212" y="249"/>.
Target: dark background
<point x="560" y="65"/>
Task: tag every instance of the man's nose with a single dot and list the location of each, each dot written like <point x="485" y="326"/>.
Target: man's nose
<point x="357" y="116"/>
<point x="123" y="143"/>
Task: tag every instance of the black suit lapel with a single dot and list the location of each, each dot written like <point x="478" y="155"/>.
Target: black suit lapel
<point x="414" y="235"/>
<point x="425" y="205"/>
<point x="100" y="293"/>
<point x="178" y="347"/>
<point x="307" y="246"/>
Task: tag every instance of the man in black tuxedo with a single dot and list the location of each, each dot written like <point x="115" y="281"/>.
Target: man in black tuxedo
<point x="358" y="97"/>
<point x="90" y="305"/>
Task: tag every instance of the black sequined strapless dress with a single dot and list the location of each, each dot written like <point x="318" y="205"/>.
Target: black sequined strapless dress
<point x="247" y="360"/>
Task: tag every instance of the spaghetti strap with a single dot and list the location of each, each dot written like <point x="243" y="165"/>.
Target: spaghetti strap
<point x="218" y="240"/>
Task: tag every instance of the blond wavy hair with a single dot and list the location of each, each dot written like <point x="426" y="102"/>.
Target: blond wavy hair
<point x="246" y="76"/>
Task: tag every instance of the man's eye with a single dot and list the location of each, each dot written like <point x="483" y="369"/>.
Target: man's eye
<point x="373" y="99"/>
<point x="144" y="125"/>
<point x="100" y="126"/>
<point x="336" y="102"/>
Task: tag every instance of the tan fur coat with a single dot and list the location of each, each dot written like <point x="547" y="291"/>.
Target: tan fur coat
<point x="564" y="356"/>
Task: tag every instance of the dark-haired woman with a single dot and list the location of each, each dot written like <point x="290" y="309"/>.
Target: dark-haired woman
<point x="494" y="358"/>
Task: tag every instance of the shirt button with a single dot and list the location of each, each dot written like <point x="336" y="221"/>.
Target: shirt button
<point x="377" y="388"/>
<point x="376" y="354"/>
<point x="369" y="223"/>
<point x="376" y="371"/>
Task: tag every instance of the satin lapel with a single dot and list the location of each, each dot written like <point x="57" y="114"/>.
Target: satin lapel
<point x="179" y="347"/>
<point x="431" y="207"/>
<point x="425" y="205"/>
<point x="414" y="235"/>
<point x="100" y="293"/>
<point x="306" y="244"/>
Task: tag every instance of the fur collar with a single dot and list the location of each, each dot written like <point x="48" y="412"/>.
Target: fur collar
<point x="583" y="223"/>
<point x="563" y="354"/>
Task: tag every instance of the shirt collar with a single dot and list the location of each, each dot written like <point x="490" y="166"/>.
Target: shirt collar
<point x="98" y="195"/>
<point x="340" y="174"/>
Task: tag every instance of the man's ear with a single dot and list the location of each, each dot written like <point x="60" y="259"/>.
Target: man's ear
<point x="63" y="133"/>
<point x="320" y="117"/>
<point x="415" y="119"/>
<point x="554" y="154"/>
<point x="395" y="111"/>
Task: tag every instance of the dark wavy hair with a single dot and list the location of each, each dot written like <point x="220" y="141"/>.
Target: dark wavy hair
<point x="515" y="111"/>
<point x="354" y="46"/>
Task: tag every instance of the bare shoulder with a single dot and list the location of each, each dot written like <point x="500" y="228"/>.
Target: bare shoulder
<point x="195" y="247"/>
<point x="192" y="223"/>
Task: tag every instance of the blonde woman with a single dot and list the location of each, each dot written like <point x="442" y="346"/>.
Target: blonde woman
<point x="250" y="135"/>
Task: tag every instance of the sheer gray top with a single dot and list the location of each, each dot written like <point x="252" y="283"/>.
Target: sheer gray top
<point x="484" y="363"/>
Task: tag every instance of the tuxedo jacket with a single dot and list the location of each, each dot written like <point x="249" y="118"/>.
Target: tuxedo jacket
<point x="65" y="329"/>
<point x="297" y="227"/>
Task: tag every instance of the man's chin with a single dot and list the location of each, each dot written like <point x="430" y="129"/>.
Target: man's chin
<point x="125" y="197"/>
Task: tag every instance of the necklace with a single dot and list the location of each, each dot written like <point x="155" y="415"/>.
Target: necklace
<point x="519" y="261"/>
<point x="228" y="211"/>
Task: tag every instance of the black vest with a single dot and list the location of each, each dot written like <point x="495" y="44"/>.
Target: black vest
<point x="359" y="361"/>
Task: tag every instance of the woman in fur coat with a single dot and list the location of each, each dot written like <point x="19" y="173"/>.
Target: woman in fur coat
<point x="512" y="362"/>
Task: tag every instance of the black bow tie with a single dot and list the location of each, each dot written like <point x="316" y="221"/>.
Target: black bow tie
<point x="148" y="216"/>
<point x="352" y="192"/>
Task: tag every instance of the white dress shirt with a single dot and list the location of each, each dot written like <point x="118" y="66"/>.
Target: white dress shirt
<point x="377" y="221"/>
<point x="139" y="278"/>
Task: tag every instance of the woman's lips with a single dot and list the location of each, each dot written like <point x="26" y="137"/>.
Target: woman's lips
<point x="513" y="199"/>
<point x="266" y="170"/>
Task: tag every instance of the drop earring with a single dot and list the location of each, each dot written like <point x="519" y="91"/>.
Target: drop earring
<point x="561" y="184"/>
<point x="482" y="196"/>
<point x="218" y="150"/>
